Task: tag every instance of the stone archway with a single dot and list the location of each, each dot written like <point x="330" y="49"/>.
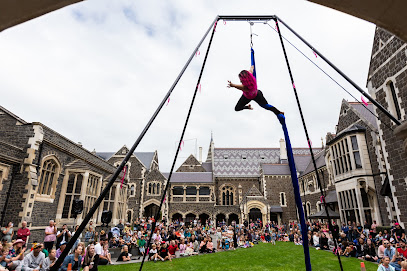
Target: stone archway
<point x="151" y="210"/>
<point x="176" y="216"/>
<point x="203" y="218"/>
<point x="220" y="218"/>
<point x="189" y="219"/>
<point x="233" y="218"/>
<point x="259" y="209"/>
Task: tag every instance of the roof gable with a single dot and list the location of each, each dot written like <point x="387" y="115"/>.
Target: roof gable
<point x="191" y="164"/>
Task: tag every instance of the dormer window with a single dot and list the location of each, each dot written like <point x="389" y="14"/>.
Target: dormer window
<point x="244" y="156"/>
<point x="225" y="156"/>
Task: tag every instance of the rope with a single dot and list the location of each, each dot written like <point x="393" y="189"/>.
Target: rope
<point x="179" y="145"/>
<point x="309" y="145"/>
<point x="330" y="77"/>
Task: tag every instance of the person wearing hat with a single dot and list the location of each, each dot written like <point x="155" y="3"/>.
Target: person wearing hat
<point x="16" y="254"/>
<point x="33" y="260"/>
<point x="61" y="248"/>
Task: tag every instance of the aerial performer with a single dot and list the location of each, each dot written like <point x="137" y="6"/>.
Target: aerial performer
<point x="251" y="93"/>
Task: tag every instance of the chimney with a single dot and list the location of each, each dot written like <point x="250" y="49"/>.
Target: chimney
<point x="283" y="151"/>
<point x="200" y="155"/>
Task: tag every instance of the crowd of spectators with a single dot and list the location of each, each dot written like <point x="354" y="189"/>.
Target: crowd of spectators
<point x="179" y="239"/>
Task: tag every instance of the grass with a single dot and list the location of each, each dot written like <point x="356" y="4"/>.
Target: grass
<point x="283" y="256"/>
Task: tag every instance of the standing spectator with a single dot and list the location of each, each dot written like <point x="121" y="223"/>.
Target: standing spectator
<point x="373" y="228"/>
<point x="49" y="261"/>
<point x="63" y="236"/>
<point x="7" y="232"/>
<point x="90" y="263"/>
<point x="367" y="228"/>
<point x="75" y="259"/>
<point x="120" y="226"/>
<point x="23" y="232"/>
<point x="335" y="230"/>
<point x="50" y="235"/>
<point x="34" y="259"/>
<point x="398" y="232"/>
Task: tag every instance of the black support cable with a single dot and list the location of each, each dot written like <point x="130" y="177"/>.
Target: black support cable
<point x="309" y="144"/>
<point x="126" y="158"/>
<point x="330" y="77"/>
<point x="373" y="101"/>
<point x="179" y="145"/>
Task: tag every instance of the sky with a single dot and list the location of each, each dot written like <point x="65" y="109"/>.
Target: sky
<point x="96" y="72"/>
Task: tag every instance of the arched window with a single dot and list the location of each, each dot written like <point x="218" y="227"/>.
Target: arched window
<point x="73" y="191"/>
<point x="150" y="188"/>
<point x="154" y="188"/>
<point x="132" y="190"/>
<point x="393" y="101"/>
<point x="227" y="195"/>
<point x="48" y="177"/>
<point x="308" y="208"/>
<point x="158" y="188"/>
<point x="282" y="199"/>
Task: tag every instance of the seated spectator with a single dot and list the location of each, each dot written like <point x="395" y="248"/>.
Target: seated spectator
<point x="91" y="260"/>
<point x="61" y="248"/>
<point x="100" y="250"/>
<point x="49" y="261"/>
<point x="3" y="256"/>
<point x="141" y="245"/>
<point x="323" y="242"/>
<point x="370" y="251"/>
<point x="164" y="252"/>
<point x="120" y="242"/>
<point x="385" y="265"/>
<point x="209" y="245"/>
<point x="172" y="248"/>
<point x="105" y="253"/>
<point x="380" y="250"/>
<point x="360" y="246"/>
<point x="74" y="259"/>
<point x="153" y="254"/>
<point x="316" y="239"/>
<point x="124" y="255"/>
<point x="127" y="239"/>
<point x="182" y="247"/>
<point x="16" y="255"/>
<point x="34" y="259"/>
<point x="350" y="251"/>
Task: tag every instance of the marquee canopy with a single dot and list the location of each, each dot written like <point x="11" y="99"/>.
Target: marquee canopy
<point x="388" y="14"/>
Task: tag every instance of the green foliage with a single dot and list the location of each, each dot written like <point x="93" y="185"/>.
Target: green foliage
<point x="282" y="257"/>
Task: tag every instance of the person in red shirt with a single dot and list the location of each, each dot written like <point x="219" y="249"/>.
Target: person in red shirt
<point x="172" y="248"/>
<point x="23" y="232"/>
<point x="402" y="250"/>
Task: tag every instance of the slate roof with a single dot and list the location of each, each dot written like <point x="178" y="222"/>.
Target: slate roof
<point x="145" y="157"/>
<point x="207" y="166"/>
<point x="190" y="177"/>
<point x="238" y="162"/>
<point x="275" y="169"/>
<point x="319" y="161"/>
<point x="365" y="112"/>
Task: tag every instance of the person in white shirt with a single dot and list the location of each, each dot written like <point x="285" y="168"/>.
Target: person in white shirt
<point x="315" y="238"/>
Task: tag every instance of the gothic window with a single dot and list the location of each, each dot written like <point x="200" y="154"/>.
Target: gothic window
<point x="154" y="188"/>
<point x="393" y="101"/>
<point x="227" y="195"/>
<point x="92" y="192"/>
<point x="121" y="202"/>
<point x="282" y="199"/>
<point x="108" y="203"/>
<point x="132" y="190"/>
<point x="308" y="208"/>
<point x="191" y="191"/>
<point x="356" y="154"/>
<point x="48" y="177"/>
<point x="204" y="191"/>
<point x="178" y="191"/>
<point x="73" y="191"/>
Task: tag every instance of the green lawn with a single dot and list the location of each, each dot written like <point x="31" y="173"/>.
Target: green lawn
<point x="283" y="256"/>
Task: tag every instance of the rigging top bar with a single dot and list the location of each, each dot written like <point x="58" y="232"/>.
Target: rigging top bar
<point x="247" y="18"/>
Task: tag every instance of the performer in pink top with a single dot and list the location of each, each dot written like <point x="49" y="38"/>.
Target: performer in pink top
<point x="250" y="92"/>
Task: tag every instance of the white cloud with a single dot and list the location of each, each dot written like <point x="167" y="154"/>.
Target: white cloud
<point x="96" y="71"/>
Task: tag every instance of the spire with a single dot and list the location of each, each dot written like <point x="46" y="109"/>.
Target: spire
<point x="209" y="158"/>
